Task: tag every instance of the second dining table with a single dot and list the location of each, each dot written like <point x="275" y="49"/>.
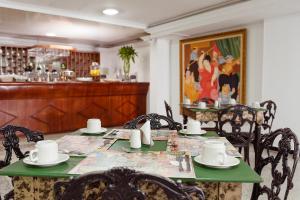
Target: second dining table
<point x="32" y="182"/>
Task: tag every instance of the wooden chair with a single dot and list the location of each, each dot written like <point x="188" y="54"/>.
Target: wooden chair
<point x="269" y="115"/>
<point x="237" y="124"/>
<point x="11" y="143"/>
<point x="155" y="122"/>
<point x="124" y="184"/>
<point x="283" y="163"/>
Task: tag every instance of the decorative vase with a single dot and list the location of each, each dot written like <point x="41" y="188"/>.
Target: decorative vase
<point x="126" y="68"/>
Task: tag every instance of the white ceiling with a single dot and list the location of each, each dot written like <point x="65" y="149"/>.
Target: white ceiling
<point x="82" y="21"/>
<point x="35" y="26"/>
<point x="142" y="12"/>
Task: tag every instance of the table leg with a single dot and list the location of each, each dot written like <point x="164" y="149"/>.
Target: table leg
<point x="256" y="142"/>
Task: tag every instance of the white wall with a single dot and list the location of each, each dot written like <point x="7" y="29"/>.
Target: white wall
<point x="110" y="59"/>
<point x="159" y="75"/>
<point x="281" y="69"/>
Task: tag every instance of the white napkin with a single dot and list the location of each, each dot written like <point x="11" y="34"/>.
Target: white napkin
<point x="146" y="134"/>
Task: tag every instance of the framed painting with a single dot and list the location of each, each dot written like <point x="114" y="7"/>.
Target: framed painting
<point x="213" y="67"/>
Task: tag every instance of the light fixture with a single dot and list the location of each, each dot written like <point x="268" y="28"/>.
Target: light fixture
<point x="110" y="11"/>
<point x="50" y="34"/>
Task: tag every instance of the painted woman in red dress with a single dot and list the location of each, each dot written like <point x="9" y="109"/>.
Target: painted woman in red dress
<point x="208" y="78"/>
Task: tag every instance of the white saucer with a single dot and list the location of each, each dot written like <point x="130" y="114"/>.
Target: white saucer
<point x="61" y="158"/>
<point x="229" y="162"/>
<point x="85" y="130"/>
<point x="184" y="132"/>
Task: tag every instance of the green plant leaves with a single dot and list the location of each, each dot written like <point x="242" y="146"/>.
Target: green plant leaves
<point x="127" y="53"/>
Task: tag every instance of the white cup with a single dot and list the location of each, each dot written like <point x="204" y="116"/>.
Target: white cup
<point x="187" y="101"/>
<point x="135" y="139"/>
<point x="46" y="151"/>
<point x="93" y="125"/>
<point x="214" y="152"/>
<point x="193" y="126"/>
<point x="232" y="101"/>
<point x="256" y="104"/>
<point x="202" y="105"/>
<point x="217" y="104"/>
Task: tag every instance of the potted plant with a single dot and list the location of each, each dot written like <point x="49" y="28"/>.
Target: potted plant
<point x="127" y="54"/>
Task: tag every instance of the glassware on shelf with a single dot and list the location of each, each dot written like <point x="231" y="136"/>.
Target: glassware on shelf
<point x="118" y="73"/>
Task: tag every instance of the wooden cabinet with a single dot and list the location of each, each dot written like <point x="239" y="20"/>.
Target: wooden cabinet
<point x="13" y="59"/>
<point x="80" y="62"/>
<point x="59" y="107"/>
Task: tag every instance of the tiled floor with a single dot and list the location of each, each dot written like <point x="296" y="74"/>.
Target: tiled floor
<point x="5" y="184"/>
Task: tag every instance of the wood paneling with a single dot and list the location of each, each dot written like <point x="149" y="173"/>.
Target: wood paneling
<point x="58" y="107"/>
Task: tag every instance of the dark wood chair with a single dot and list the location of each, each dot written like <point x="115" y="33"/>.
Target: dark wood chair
<point x="155" y="122"/>
<point x="124" y="184"/>
<point x="282" y="164"/>
<point x="11" y="144"/>
<point x="269" y="115"/>
<point x="169" y="111"/>
<point x="237" y="124"/>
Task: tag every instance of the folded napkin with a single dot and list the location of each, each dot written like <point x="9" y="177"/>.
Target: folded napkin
<point x="146" y="134"/>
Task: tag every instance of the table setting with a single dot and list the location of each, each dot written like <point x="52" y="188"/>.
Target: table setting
<point x="187" y="157"/>
<point x="215" y="152"/>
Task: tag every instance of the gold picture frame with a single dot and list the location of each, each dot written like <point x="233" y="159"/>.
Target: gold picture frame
<point x="214" y="67"/>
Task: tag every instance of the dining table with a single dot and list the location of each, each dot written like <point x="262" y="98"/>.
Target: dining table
<point x="32" y="182"/>
<point x="210" y="113"/>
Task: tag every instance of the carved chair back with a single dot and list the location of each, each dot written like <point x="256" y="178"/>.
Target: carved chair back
<point x="123" y="184"/>
<point x="155" y="122"/>
<point x="269" y="114"/>
<point x="282" y="163"/>
<point x="169" y="111"/>
<point x="236" y="123"/>
<point x="11" y="141"/>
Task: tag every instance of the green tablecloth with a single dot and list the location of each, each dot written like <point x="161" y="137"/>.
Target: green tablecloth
<point x="241" y="173"/>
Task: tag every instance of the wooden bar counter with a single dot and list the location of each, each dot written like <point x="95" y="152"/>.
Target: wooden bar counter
<point x="59" y="107"/>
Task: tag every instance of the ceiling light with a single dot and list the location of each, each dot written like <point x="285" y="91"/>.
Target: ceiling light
<point x="50" y="34"/>
<point x="110" y="11"/>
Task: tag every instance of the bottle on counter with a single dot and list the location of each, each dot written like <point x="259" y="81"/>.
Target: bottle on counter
<point x="95" y="71"/>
